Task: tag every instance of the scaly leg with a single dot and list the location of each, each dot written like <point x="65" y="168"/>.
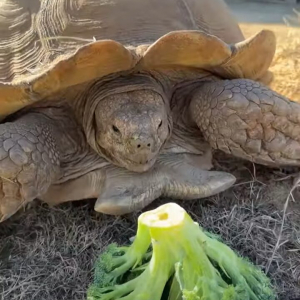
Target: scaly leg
<point x="179" y="176"/>
<point x="119" y="191"/>
<point x="45" y="155"/>
<point x="246" y="119"/>
<point x="36" y="150"/>
<point x="29" y="161"/>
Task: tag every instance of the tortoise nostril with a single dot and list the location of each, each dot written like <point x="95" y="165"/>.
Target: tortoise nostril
<point x="115" y="129"/>
<point x="160" y="124"/>
<point x="141" y="144"/>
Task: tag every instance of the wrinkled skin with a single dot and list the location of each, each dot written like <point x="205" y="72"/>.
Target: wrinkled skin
<point x="132" y="128"/>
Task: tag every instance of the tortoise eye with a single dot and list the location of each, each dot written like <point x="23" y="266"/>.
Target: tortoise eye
<point x="115" y="129"/>
<point x="160" y="124"/>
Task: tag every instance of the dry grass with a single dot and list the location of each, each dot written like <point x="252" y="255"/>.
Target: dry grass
<point x="49" y="253"/>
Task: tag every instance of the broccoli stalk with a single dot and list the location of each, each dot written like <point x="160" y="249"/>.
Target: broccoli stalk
<point x="200" y="267"/>
<point x="241" y="272"/>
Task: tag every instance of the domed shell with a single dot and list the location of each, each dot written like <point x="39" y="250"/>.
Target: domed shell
<point x="47" y="46"/>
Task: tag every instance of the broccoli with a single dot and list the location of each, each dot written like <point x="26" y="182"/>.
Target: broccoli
<point x="172" y="253"/>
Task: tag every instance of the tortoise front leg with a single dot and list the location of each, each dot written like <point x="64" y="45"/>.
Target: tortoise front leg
<point x="246" y="119"/>
<point x="177" y="176"/>
<point x="29" y="161"/>
<point x="38" y="149"/>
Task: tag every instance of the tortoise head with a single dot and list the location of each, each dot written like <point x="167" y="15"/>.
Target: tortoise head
<point x="132" y="127"/>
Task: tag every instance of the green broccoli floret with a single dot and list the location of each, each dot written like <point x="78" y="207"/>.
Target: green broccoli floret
<point x="187" y="262"/>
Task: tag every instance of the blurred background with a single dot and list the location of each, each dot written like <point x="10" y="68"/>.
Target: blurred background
<point x="283" y="17"/>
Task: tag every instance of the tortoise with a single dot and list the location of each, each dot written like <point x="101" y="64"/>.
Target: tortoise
<point x="124" y="101"/>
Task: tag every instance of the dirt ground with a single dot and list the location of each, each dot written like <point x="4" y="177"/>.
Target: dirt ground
<point x="48" y="253"/>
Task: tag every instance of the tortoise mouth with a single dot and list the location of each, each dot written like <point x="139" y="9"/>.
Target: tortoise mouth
<point x="139" y="166"/>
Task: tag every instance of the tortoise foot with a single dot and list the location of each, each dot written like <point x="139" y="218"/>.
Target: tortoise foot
<point x="178" y="176"/>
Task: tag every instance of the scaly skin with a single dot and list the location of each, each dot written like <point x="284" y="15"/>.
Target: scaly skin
<point x="125" y="119"/>
<point x="40" y="148"/>
<point x="248" y="120"/>
<point x="29" y="161"/>
<point x="45" y="155"/>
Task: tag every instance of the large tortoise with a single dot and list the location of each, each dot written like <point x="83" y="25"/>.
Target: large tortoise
<point x="124" y="100"/>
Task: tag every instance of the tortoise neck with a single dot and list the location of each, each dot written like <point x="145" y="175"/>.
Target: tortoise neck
<point x="180" y="102"/>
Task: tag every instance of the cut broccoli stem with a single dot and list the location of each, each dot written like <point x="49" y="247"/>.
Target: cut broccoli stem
<point x="174" y="230"/>
<point x="180" y="247"/>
